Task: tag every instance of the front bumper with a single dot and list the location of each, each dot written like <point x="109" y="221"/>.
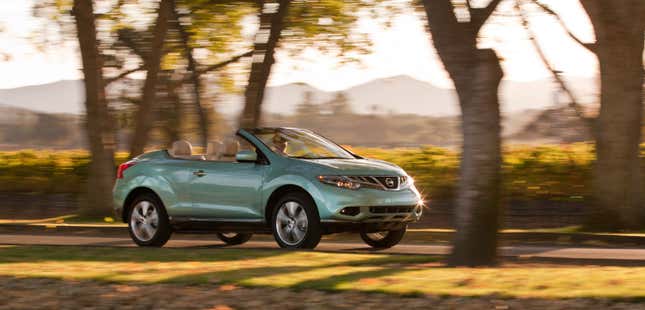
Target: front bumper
<point x="377" y="214"/>
<point x="367" y="205"/>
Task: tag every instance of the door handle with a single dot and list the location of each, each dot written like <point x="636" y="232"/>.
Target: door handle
<point x="199" y="173"/>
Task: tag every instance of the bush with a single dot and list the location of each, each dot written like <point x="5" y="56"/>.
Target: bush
<point x="44" y="171"/>
<point x="548" y="172"/>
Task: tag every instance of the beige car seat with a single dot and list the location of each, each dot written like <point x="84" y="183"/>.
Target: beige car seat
<point x="183" y="149"/>
<point x="228" y="150"/>
<point x="212" y="150"/>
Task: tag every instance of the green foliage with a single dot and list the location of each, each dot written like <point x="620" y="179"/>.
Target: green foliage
<point x="549" y="172"/>
<point x="214" y="25"/>
<point x="560" y="172"/>
<point x="434" y="169"/>
<point x="326" y="25"/>
<point x="45" y="171"/>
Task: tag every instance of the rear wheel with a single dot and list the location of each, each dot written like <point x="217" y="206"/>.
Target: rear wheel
<point x="383" y="239"/>
<point x="148" y="223"/>
<point x="234" y="238"/>
<point x="295" y="222"/>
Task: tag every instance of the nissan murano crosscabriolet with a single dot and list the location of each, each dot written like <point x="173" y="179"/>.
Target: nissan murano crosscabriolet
<point x="288" y="182"/>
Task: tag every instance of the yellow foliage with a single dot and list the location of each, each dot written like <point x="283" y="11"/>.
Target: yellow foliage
<point x="554" y="172"/>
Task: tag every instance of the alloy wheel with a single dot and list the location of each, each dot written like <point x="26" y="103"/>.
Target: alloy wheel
<point x="291" y="223"/>
<point x="144" y="220"/>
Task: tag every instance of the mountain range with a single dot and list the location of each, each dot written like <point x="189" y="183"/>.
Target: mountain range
<point x="389" y="112"/>
<point x="393" y="95"/>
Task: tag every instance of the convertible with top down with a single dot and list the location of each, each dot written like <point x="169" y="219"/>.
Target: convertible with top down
<point x="289" y="182"/>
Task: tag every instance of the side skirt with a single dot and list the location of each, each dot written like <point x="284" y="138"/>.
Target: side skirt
<point x="200" y="225"/>
<point x="332" y="227"/>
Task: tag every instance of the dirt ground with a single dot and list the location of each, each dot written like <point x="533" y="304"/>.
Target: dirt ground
<point x="29" y="293"/>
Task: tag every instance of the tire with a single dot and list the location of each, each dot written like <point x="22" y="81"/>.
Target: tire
<point x="295" y="222"/>
<point x="234" y="238"/>
<point x="145" y="230"/>
<point x="387" y="239"/>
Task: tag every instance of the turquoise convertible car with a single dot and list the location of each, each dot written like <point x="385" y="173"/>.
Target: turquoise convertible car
<point x="288" y="182"/>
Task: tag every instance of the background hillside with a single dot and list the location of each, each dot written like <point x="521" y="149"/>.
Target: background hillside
<point x="399" y="95"/>
<point x="390" y="112"/>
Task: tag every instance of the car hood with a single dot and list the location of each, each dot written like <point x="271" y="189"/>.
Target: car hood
<point x="358" y="166"/>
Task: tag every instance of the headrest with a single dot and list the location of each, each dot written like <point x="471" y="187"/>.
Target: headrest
<point x="277" y="138"/>
<point x="230" y="148"/>
<point x="181" y="148"/>
<point x="212" y="150"/>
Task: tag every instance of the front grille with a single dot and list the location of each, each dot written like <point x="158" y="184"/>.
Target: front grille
<point x="389" y="182"/>
<point x="391" y="209"/>
<point x="380" y="182"/>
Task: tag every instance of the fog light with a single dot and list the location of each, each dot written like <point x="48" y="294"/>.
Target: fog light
<point x="418" y="210"/>
<point x="351" y="211"/>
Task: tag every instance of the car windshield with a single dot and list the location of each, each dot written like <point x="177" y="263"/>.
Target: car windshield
<point x="298" y="143"/>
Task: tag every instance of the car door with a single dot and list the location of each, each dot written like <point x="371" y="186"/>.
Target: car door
<point x="227" y="190"/>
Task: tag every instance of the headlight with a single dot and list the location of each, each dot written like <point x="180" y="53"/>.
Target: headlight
<point x="405" y="181"/>
<point x="339" y="181"/>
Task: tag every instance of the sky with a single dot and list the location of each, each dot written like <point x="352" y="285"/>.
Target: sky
<point x="405" y="48"/>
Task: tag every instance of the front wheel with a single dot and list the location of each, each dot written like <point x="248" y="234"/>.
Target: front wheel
<point x="383" y="239"/>
<point x="295" y="222"/>
<point x="234" y="238"/>
<point x="148" y="223"/>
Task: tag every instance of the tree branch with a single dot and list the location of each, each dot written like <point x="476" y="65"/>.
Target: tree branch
<point x="122" y="75"/>
<point x="573" y="103"/>
<point x="224" y="63"/>
<point x="590" y="46"/>
<point x="188" y="77"/>
<point x="204" y="70"/>
<point x="479" y="16"/>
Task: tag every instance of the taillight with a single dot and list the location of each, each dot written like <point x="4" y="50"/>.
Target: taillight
<point x="123" y="167"/>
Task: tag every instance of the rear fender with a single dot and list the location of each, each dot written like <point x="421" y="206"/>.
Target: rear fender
<point x="160" y="186"/>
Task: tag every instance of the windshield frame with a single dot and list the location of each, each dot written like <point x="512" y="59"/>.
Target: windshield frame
<point x="257" y="131"/>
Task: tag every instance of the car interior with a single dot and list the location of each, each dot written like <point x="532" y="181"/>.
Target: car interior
<point x="215" y="150"/>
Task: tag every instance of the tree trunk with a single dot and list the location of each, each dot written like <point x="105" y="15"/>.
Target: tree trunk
<point x="476" y="75"/>
<point x="617" y="184"/>
<point x="478" y="198"/>
<point x="271" y="23"/>
<point x="173" y="119"/>
<point x="144" y="117"/>
<point x="98" y="200"/>
<point x="202" y="111"/>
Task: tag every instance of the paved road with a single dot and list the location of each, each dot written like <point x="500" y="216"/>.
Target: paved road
<point x="545" y="252"/>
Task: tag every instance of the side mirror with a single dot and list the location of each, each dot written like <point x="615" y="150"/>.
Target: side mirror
<point x="246" y="156"/>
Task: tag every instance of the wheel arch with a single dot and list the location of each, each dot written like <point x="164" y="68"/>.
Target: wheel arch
<point x="133" y="194"/>
<point x="278" y="193"/>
